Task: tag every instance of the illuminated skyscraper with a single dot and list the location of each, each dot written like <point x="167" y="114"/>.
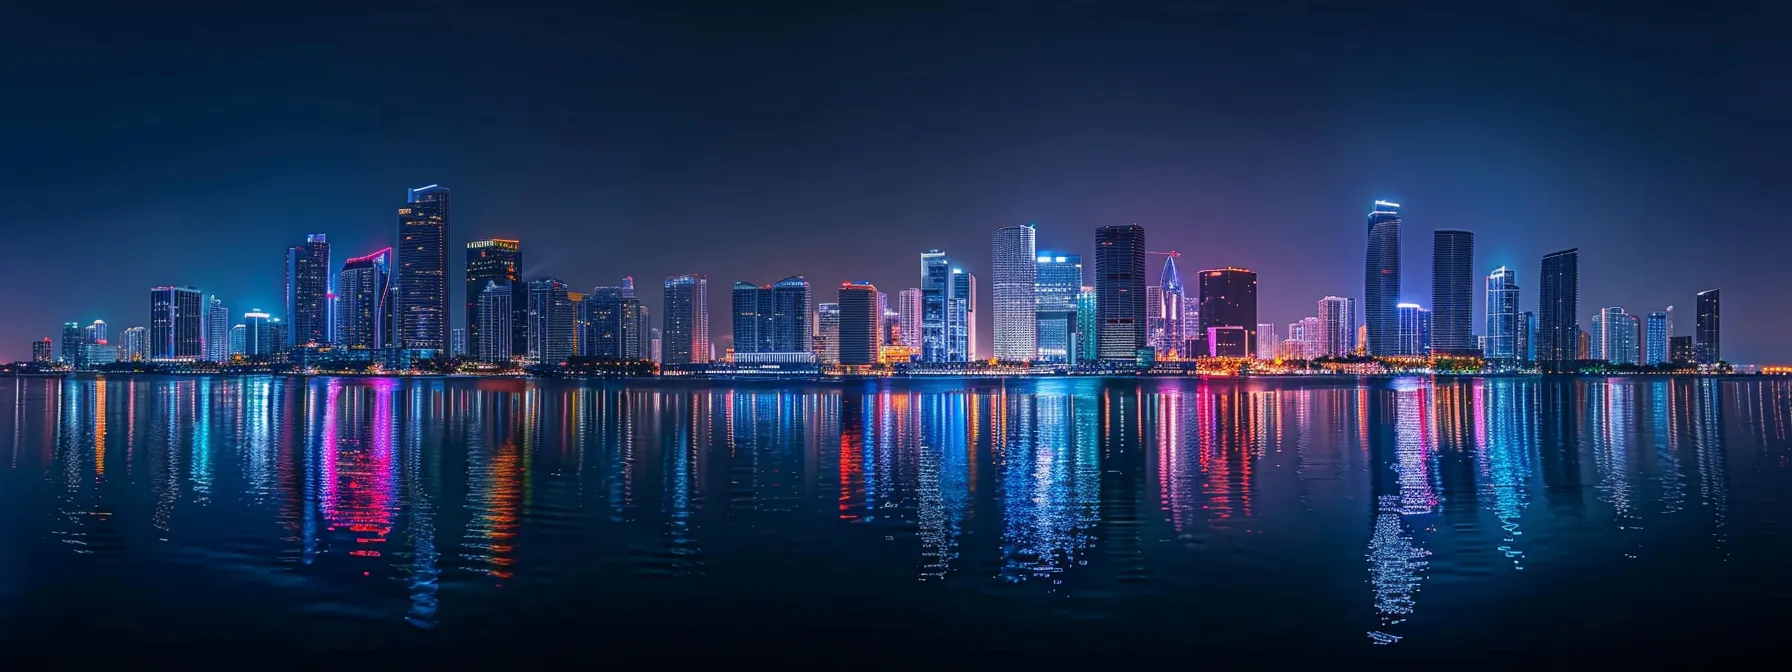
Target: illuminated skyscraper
<point x="792" y="327"/>
<point x="215" y="331"/>
<point x="1267" y="341"/>
<point x="457" y="342"/>
<point x="260" y="339"/>
<point x="1087" y="349"/>
<point x="908" y="306"/>
<point x="1527" y="336"/>
<point x="495" y="316"/>
<point x="43" y="352"/>
<point x="936" y="286"/>
<point x="1229" y="299"/>
<point x="1453" y="292"/>
<point x="550" y="322"/>
<point x="1312" y="338"/>
<point x="961" y="317"/>
<point x="1411" y="339"/>
<point x="1614" y="336"/>
<point x="686" y="330"/>
<point x="72" y="340"/>
<point x="858" y="324"/>
<point x="1334" y="327"/>
<point x="175" y="314"/>
<point x="1167" y="331"/>
<point x="238" y="340"/>
<point x="1680" y="350"/>
<point x="1014" y="278"/>
<point x="134" y="345"/>
<point x="1655" y="339"/>
<point x="308" y="309"/>
<point x="752" y="318"/>
<point x="656" y="345"/>
<point x="364" y="302"/>
<point x="1381" y="278"/>
<point x="1120" y="291"/>
<point x="1558" y="300"/>
<point x="1060" y="280"/>
<point x="1503" y="326"/>
<point x="1706" y="341"/>
<point x="421" y="310"/>
<point x="497" y="260"/>
<point x="616" y="323"/>
<point x="827" y="338"/>
<point x="94" y="333"/>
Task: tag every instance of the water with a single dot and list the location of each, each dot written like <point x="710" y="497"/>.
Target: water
<point x="1036" y="520"/>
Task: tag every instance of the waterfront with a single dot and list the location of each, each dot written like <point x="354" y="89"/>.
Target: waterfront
<point x="1329" y="517"/>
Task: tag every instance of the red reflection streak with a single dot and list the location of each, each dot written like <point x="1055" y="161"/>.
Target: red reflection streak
<point x="852" y="464"/>
<point x="357" y="473"/>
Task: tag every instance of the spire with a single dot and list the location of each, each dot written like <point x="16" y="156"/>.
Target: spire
<point x="1171" y="281"/>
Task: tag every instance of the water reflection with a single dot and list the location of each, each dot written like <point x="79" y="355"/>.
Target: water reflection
<point x="420" y="504"/>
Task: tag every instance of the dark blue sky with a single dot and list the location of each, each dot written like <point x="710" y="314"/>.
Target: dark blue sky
<point x="149" y="146"/>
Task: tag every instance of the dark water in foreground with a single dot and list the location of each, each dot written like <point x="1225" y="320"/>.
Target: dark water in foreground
<point x="934" y="520"/>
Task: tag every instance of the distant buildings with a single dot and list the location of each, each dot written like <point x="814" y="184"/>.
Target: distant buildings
<point x="686" y="319"/>
<point x="261" y="340"/>
<point x="364" y="302"/>
<point x="1453" y="292"/>
<point x="308" y="309"/>
<point x="1013" y="285"/>
<point x="827" y="338"/>
<point x="42" y="351"/>
<point x="496" y="260"/>
<point x="1614" y="336"/>
<point x="1381" y="278"/>
<point x="1655" y="338"/>
<point x="215" y="331"/>
<point x="550" y="322"/>
<point x="961" y="317"/>
<point x="1059" y="279"/>
<point x="615" y="324"/>
<point x="1680" y="350"/>
<point x="772" y="318"/>
<point x="1087" y="348"/>
<point x="495" y="316"/>
<point x="1706" y="334"/>
<point x="908" y="308"/>
<point x="1558" y="299"/>
<point x="1504" y="331"/>
<point x="72" y="340"/>
<point x="858" y="324"/>
<point x="134" y="345"/>
<point x="1335" y="327"/>
<point x="751" y="318"/>
<point x="1229" y="299"/>
<point x="1120" y="291"/>
<point x="174" y="324"/>
<point x="237" y="341"/>
<point x="1414" y="337"/>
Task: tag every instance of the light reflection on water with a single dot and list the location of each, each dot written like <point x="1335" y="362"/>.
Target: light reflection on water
<point x="1447" y="515"/>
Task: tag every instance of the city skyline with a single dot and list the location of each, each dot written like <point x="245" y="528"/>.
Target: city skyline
<point x="1227" y="185"/>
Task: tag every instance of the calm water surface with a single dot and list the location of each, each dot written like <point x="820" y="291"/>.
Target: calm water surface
<point x="1384" y="519"/>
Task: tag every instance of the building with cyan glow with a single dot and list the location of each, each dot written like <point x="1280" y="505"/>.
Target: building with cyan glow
<point x="175" y="316"/>
<point x="497" y="260"/>
<point x="495" y="315"/>
<point x="1613" y="337"/>
<point x="1502" y="316"/>
<point x="457" y="342"/>
<point x="550" y="322"/>
<point x="1453" y="292"/>
<point x="1013" y="282"/>
<point x="961" y="317"/>
<point x="1120" y="292"/>
<point x="260" y="339"/>
<point x="1087" y="348"/>
<point x="364" y="302"/>
<point x="215" y="331"/>
<point x="1655" y="338"/>
<point x="936" y="285"/>
<point x="1229" y="299"/>
<point x="685" y="333"/>
<point x="859" y="324"/>
<point x="1707" y="348"/>
<point x="1060" y="281"/>
<point x="308" y="307"/>
<point x="1381" y="278"/>
<point x="72" y="340"/>
<point x="421" y="277"/>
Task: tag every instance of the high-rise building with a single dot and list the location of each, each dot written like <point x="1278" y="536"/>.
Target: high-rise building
<point x="134" y="345"/>
<point x="457" y="342"/>
<point x="497" y="260"/>
<point x="1527" y="336"/>
<point x="364" y="302"/>
<point x="1381" y="278"/>
<point x="1680" y="350"/>
<point x="961" y="317"/>
<point x="656" y="344"/>
<point x="792" y="325"/>
<point x="616" y="323"/>
<point x="686" y="330"/>
<point x="308" y="310"/>
<point x="1168" y="334"/>
<point x="1312" y="338"/>
<point x="238" y="340"/>
<point x="580" y="323"/>
<point x="72" y="340"/>
<point x="1157" y="332"/>
<point x="1120" y="291"/>
<point x="827" y="338"/>
<point x="1584" y="344"/>
<point x="495" y="316"/>
<point x="1086" y="333"/>
<point x="858" y="324"/>
<point x="1614" y="336"/>
<point x="1705" y="331"/>
<point x="1453" y="292"/>
<point x="421" y="311"/>
<point x="215" y="331"/>
<point x="94" y="333"/>
<point x="43" y="352"/>
<point x="1407" y="339"/>
<point x="1334" y="327"/>
<point x="550" y="322"/>
<point x="175" y="314"/>
<point x="1503" y="326"/>
<point x="752" y="318"/>
<point x="98" y="354"/>
<point x="1266" y="341"/>
<point x="1014" y="278"/>
<point x="1060" y="280"/>
<point x="1558" y="300"/>
<point x="1655" y="339"/>
<point x="1229" y="299"/>
<point x="908" y="306"/>
<point x="936" y="285"/>
<point x="260" y="339"/>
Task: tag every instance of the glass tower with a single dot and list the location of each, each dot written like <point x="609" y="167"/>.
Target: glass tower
<point x="1558" y="299"/>
<point x="1503" y="327"/>
<point x="1705" y="331"/>
<point x="936" y="283"/>
<point x="685" y="337"/>
<point x="1060" y="281"/>
<point x="1229" y="299"/>
<point x="1120" y="291"/>
<point x="308" y="310"/>
<point x="364" y="301"/>
<point x="1452" y="292"/>
<point x="422" y="277"/>
<point x="496" y="260"/>
<point x="1013" y="282"/>
<point x="1381" y="278"/>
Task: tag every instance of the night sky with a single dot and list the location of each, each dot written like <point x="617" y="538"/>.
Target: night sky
<point x="148" y="145"/>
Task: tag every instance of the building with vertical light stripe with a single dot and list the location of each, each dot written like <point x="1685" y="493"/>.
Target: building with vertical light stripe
<point x="1503" y="325"/>
<point x="1013" y="283"/>
<point x="686" y="327"/>
<point x="175" y="317"/>
<point x="1120" y="292"/>
<point x="1381" y="278"/>
<point x="421" y="280"/>
<point x="1060" y="280"/>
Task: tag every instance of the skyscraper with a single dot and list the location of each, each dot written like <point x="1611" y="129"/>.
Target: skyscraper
<point x="961" y="317"/>
<point x="42" y="352"/>
<point x="498" y="260"/>
<point x="135" y="345"/>
<point x="1453" y="292"/>
<point x="1120" y="291"/>
<point x="1312" y="337"/>
<point x="1266" y="343"/>
<point x="1169" y="334"/>
<point x="827" y="337"/>
<point x="72" y="340"/>
<point x="858" y="324"/>
<point x="1558" y="300"/>
<point x="1503" y="326"/>
<point x="1334" y="326"/>
<point x="936" y="284"/>
<point x="495" y="317"/>
<point x="1087" y="349"/>
<point x="457" y="342"/>
<point x="1013" y="280"/>
<point x="308" y="309"/>
<point x="421" y="311"/>
<point x="364" y="302"/>
<point x="1229" y="299"/>
<point x="908" y="306"/>
<point x="686" y="330"/>
<point x="1157" y="332"/>
<point x="1527" y="336"/>
<point x="1705" y="331"/>
<point x="1060" y="280"/>
<point x="616" y="323"/>
<point x="237" y="341"/>
<point x="1411" y="340"/>
<point x="260" y="339"/>
<point x="791" y="327"/>
<point x="1614" y="335"/>
<point x="94" y="333"/>
<point x="1655" y="339"/>
<point x="1680" y="350"/>
<point x="1381" y="278"/>
<point x="550" y="322"/>
<point x="214" y="331"/>
<point x="752" y="318"/>
<point x="175" y="314"/>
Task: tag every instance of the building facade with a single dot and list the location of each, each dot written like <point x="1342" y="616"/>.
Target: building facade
<point x="859" y="324"/>
<point x="496" y="260"/>
<point x="1013" y="278"/>
<point x="1381" y="278"/>
<point x="1503" y="328"/>
<point x="685" y="333"/>
<point x="175" y="318"/>
<point x="1707" y="344"/>
<point x="961" y="317"/>
<point x="1613" y="337"/>
<point x="827" y="336"/>
<point x="1558" y="302"/>
<point x="364" y="302"/>
<point x="1229" y="299"/>
<point x="1060" y="282"/>
<point x="421" y="311"/>
<point x="1655" y="339"/>
<point x="550" y="322"/>
<point x="1334" y="327"/>
<point x="308" y="307"/>
<point x="1120" y="292"/>
<point x="495" y="318"/>
<point x="1453" y="292"/>
<point x="936" y="284"/>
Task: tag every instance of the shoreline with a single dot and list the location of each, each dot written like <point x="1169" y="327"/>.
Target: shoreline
<point x="868" y="378"/>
